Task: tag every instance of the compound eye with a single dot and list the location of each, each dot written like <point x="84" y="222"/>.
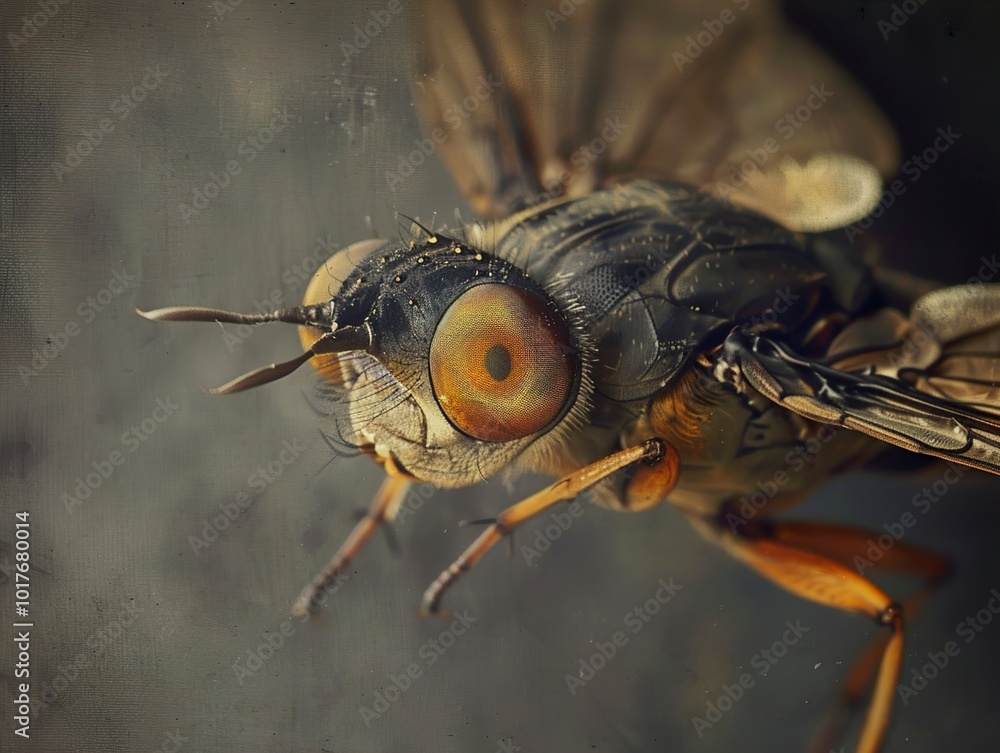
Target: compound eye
<point x="502" y="363"/>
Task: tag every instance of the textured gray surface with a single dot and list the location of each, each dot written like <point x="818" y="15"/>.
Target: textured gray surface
<point x="195" y="616"/>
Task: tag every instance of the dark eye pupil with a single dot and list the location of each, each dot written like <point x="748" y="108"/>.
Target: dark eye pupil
<point x="498" y="362"/>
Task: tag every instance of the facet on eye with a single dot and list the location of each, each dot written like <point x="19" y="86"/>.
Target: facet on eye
<point x="502" y="363"/>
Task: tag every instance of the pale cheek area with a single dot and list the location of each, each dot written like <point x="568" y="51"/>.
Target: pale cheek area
<point x="418" y="435"/>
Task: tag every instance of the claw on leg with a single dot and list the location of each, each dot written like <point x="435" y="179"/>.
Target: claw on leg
<point x="652" y="451"/>
<point x="383" y="509"/>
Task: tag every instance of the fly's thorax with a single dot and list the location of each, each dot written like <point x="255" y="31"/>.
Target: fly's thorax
<point x="661" y="273"/>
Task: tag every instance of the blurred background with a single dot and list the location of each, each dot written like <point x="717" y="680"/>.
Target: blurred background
<point x="211" y="153"/>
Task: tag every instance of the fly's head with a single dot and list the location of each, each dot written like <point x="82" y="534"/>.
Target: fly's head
<point x="447" y="362"/>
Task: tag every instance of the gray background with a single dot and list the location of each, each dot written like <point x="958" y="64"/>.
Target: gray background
<point x="171" y="669"/>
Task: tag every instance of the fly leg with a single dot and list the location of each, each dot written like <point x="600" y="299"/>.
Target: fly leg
<point x="816" y="561"/>
<point x="383" y="509"/>
<point x="652" y="452"/>
<point x="845" y="544"/>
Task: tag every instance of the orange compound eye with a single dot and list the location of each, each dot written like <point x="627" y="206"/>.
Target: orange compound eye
<point x="502" y="364"/>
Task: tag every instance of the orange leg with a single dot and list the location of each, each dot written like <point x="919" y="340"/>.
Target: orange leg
<point x="652" y="451"/>
<point x="383" y="509"/>
<point x="849" y="546"/>
<point x="816" y="561"/>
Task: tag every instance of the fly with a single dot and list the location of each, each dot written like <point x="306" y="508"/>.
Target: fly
<point x="647" y="309"/>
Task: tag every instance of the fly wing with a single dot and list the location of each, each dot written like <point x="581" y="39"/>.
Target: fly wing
<point x="929" y="383"/>
<point x="530" y="101"/>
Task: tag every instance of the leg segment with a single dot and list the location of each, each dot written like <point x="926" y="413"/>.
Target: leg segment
<point x="849" y="546"/>
<point x="383" y="509"/>
<point x="652" y="451"/>
<point x="815" y="561"/>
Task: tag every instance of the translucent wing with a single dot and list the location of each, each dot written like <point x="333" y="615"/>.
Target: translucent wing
<point x="535" y="100"/>
<point x="927" y="383"/>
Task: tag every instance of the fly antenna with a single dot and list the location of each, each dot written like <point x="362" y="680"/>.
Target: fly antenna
<point x="319" y="315"/>
<point x="339" y="341"/>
